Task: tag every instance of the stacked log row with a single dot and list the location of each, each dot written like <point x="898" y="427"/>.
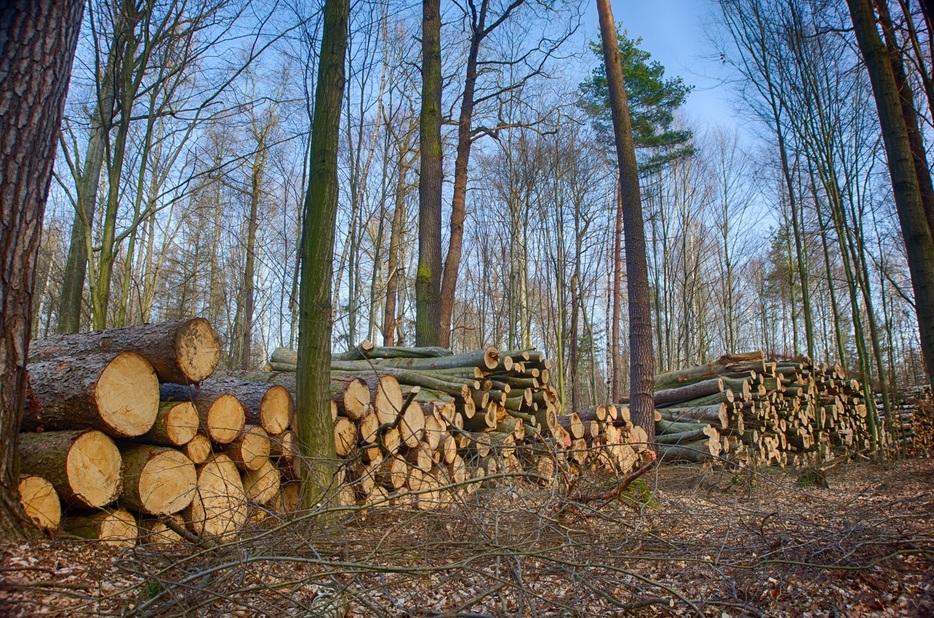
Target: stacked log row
<point x="912" y="426"/>
<point x="96" y="438"/>
<point x="410" y="420"/>
<point x="745" y="407"/>
<point x="132" y="432"/>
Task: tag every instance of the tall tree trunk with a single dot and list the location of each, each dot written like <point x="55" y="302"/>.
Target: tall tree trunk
<point x="906" y="99"/>
<point x="87" y="185"/>
<point x="428" y="276"/>
<point x="616" y="385"/>
<point x="452" y="259"/>
<point x="315" y="432"/>
<point x="916" y="232"/>
<point x="642" y="364"/>
<point x="37" y="45"/>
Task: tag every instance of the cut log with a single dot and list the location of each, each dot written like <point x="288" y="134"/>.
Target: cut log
<point x="176" y="424"/>
<point x="157" y="480"/>
<point x="115" y="393"/>
<point x="354" y="397"/>
<point x="82" y="465"/>
<point x="250" y="450"/>
<point x="40" y="501"/>
<point x="261" y="485"/>
<point x="695" y="452"/>
<point x="686" y="393"/>
<point x="183" y="352"/>
<point x="221" y="416"/>
<point x="198" y="449"/>
<point x="345" y="436"/>
<point x="269" y="406"/>
<point x="117" y="528"/>
<point x="711" y="413"/>
<point x="412" y="425"/>
<point x="219" y="508"/>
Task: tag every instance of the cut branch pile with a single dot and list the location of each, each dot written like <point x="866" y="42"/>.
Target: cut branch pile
<point x="744" y="408"/>
<point x="133" y="432"/>
<point x="913" y="423"/>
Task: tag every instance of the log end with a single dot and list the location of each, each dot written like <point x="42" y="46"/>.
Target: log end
<point x="40" y="501"/>
<point x="93" y="469"/>
<point x="127" y="395"/>
<point x="198" y="349"/>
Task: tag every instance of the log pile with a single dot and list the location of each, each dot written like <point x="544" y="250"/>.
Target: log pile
<point x="746" y="408"/>
<point x="410" y="420"/>
<point x="130" y="434"/>
<point x="912" y="428"/>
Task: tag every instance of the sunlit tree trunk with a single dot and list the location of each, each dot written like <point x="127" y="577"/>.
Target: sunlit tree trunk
<point x="316" y="435"/>
<point x="642" y="365"/>
<point x="37" y="45"/>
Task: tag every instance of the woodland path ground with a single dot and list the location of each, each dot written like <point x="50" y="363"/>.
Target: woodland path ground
<point x="703" y="542"/>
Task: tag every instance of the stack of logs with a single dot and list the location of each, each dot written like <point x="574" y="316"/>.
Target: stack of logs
<point x="463" y="416"/>
<point x="913" y="423"/>
<point x="744" y="407"/>
<point x="134" y="432"/>
<point x="125" y="428"/>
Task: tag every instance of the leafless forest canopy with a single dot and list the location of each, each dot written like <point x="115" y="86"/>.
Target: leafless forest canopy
<point x="180" y="183"/>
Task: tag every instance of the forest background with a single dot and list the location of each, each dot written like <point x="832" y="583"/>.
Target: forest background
<point x="181" y="177"/>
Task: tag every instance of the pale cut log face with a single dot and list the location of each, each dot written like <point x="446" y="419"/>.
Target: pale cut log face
<point x="127" y="394"/>
<point x="276" y="409"/>
<point x="93" y="469"/>
<point x="198" y="350"/>
<point x="225" y="419"/>
<point x="119" y="529"/>
<point x="40" y="501"/>
<point x="167" y="483"/>
<point x="184" y="423"/>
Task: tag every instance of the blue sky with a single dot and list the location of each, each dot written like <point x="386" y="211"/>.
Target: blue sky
<point x="673" y="31"/>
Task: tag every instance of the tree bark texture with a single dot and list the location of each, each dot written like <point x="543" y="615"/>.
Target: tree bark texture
<point x="315" y="432"/>
<point x="642" y="365"/>
<point x="37" y="44"/>
<point x="183" y="352"/>
<point x="428" y="324"/>
<point x="919" y="243"/>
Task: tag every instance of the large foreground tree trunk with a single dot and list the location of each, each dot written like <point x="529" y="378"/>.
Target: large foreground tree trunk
<point x="642" y="361"/>
<point x="919" y="243"/>
<point x="37" y="44"/>
<point x="428" y="275"/>
<point x="314" y="427"/>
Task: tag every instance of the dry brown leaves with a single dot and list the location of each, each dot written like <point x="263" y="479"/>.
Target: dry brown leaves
<point x="712" y="543"/>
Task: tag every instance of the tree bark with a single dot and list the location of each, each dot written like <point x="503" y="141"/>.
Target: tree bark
<point x="642" y="364"/>
<point x="182" y="352"/>
<point x="37" y="44"/>
<point x="428" y="324"/>
<point x="316" y="436"/>
<point x="916" y="232"/>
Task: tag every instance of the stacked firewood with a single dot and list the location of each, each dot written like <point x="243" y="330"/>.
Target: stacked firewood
<point x="134" y="432"/>
<point x="410" y="420"/>
<point x="125" y="429"/>
<point x="744" y="407"/>
<point x="912" y="425"/>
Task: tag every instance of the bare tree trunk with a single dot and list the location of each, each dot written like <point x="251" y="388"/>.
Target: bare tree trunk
<point x="616" y="386"/>
<point x="916" y="231"/>
<point x="642" y="366"/>
<point x="906" y="99"/>
<point x="37" y="45"/>
<point x="87" y="184"/>
<point x="314" y="427"/>
<point x="428" y="325"/>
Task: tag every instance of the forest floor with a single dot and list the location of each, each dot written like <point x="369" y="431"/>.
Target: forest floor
<point x="685" y="541"/>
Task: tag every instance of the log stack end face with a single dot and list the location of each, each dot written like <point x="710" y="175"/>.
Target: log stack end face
<point x="198" y="349"/>
<point x="93" y="469"/>
<point x="127" y="395"/>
